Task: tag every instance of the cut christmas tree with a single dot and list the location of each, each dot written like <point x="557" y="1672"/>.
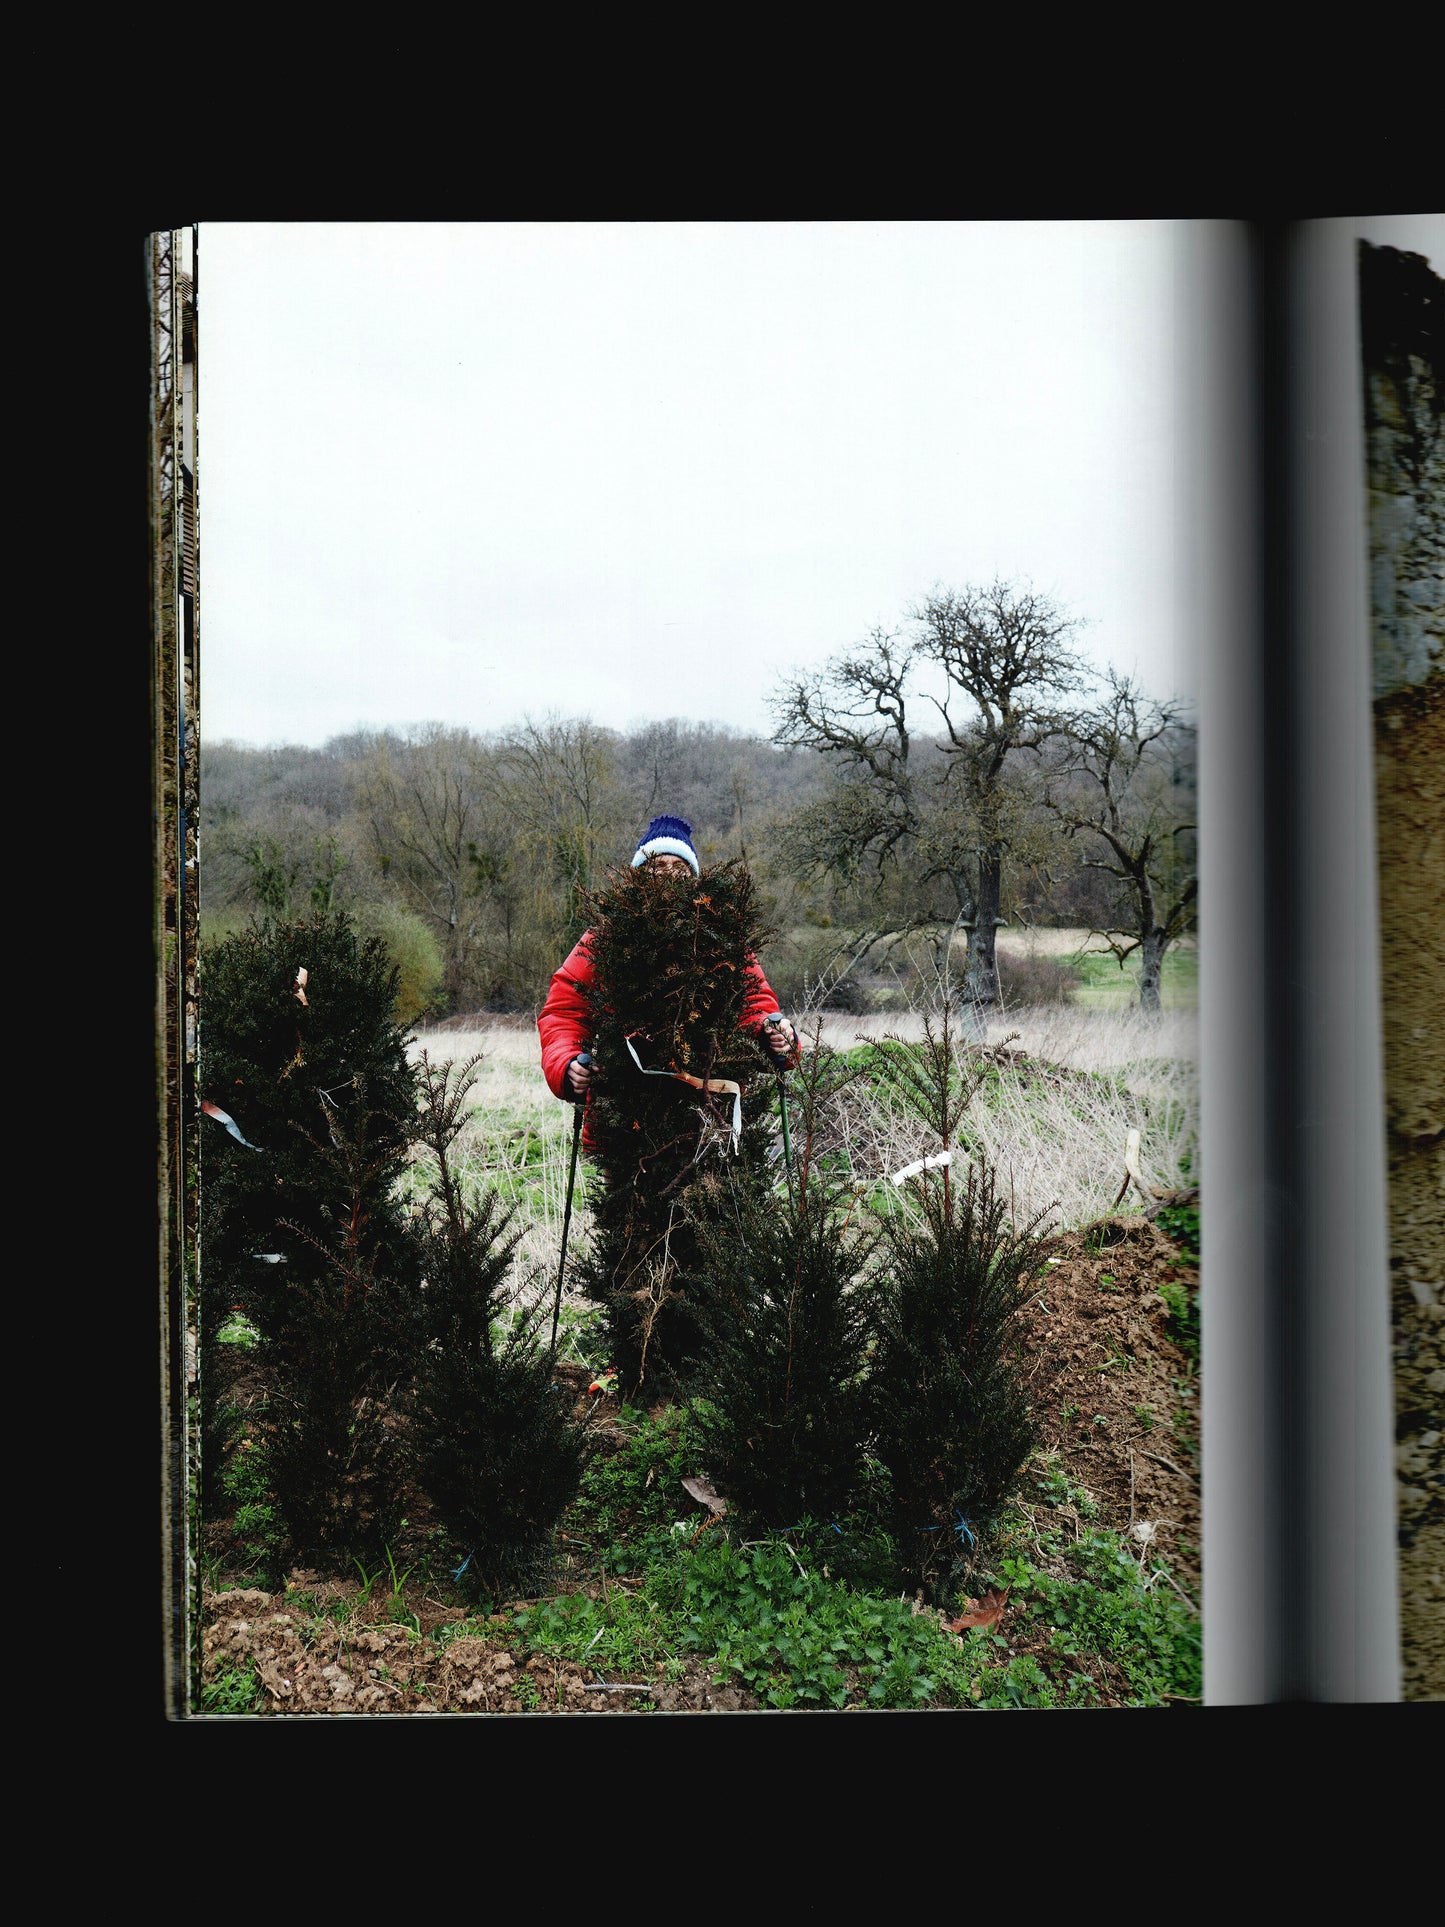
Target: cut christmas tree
<point x="680" y="1087"/>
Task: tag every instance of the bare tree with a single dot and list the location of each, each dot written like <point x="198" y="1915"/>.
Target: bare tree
<point x="430" y="802"/>
<point x="726" y="783"/>
<point x="952" y="809"/>
<point x="1008" y="653"/>
<point x="1126" y="784"/>
<point x="854" y="711"/>
<point x="866" y="830"/>
<point x="565" y="799"/>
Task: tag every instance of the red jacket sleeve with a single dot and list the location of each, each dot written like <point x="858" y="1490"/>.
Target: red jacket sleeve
<point x="564" y="1021"/>
<point x="760" y="1002"/>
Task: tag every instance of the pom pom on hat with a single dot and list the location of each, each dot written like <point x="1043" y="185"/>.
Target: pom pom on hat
<point x="667" y="836"/>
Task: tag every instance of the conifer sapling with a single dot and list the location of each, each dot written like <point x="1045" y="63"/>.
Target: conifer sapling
<point x="301" y="1226"/>
<point x="949" y="1409"/>
<point x="492" y="1439"/>
<point x="787" y="1326"/>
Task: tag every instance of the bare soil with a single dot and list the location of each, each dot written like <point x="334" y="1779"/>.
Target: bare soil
<point x="1118" y="1398"/>
<point x="307" y="1665"/>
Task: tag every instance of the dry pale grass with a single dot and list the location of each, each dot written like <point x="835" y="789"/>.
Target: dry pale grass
<point x="1079" y="1038"/>
<point x="1052" y="1122"/>
<point x="1039" y="942"/>
<point x="1056" y="1138"/>
<point x="509" y="1078"/>
<point x="1015" y="942"/>
<point x="518" y="1142"/>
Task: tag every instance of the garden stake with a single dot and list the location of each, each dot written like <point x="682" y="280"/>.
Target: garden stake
<point x="585" y="1058"/>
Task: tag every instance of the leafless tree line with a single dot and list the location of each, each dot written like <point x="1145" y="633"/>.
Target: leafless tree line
<point x="963" y="770"/>
<point x="1026" y="765"/>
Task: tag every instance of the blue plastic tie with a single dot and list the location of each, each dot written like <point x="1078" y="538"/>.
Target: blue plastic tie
<point x="463" y="1566"/>
<point x="960" y="1526"/>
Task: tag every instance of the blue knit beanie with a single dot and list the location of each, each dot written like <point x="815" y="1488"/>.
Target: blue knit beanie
<point x="667" y="836"/>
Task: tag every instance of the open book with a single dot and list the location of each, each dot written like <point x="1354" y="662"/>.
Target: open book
<point x="1308" y="549"/>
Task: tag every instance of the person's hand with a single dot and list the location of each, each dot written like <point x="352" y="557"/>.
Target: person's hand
<point x="579" y="1076"/>
<point x="780" y="1038"/>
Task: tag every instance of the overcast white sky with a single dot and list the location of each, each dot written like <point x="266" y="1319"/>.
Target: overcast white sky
<point x="461" y="473"/>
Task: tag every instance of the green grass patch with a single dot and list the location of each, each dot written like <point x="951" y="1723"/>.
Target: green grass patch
<point x="631" y="1498"/>
<point x="1104" y="1605"/>
<point x="1106" y="985"/>
<point x="235" y="1691"/>
<point x="257" y="1523"/>
<point x="1181" y="1223"/>
<point x="771" y="1616"/>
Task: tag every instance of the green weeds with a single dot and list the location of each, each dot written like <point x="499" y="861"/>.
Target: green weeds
<point x="1181" y="1223"/>
<point x="1104" y="1605"/>
<point x="397" y="1612"/>
<point x="257" y="1523"/>
<point x="797" y="1639"/>
<point x="1182" y="1305"/>
<point x="238" y="1330"/>
<point x="236" y="1691"/>
<point x="1055" y="1488"/>
<point x="631" y="1497"/>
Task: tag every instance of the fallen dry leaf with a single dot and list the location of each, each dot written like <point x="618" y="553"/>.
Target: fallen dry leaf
<point x="987" y="1611"/>
<point x="704" y="1494"/>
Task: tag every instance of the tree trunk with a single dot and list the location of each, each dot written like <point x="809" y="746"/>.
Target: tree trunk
<point x="1151" y="969"/>
<point x="981" y="974"/>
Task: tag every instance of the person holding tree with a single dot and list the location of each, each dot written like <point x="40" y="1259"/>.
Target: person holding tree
<point x="664" y="849"/>
<point x="665" y="992"/>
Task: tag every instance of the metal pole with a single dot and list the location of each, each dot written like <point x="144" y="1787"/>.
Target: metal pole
<point x="768" y="1024"/>
<point x="566" y="1223"/>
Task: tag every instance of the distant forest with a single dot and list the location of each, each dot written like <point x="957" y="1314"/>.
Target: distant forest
<point x="882" y="828"/>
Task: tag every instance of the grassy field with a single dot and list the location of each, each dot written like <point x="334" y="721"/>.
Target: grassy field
<point x="1106" y="985"/>
<point x="1109" y="986"/>
<point x="1053" y="1116"/>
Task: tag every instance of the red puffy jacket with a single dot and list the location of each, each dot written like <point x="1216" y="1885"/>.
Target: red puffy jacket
<point x="565" y="1020"/>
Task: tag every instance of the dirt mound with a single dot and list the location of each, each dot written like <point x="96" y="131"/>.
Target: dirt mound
<point x="1117" y="1396"/>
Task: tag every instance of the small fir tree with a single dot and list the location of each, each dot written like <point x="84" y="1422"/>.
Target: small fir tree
<point x="949" y="1411"/>
<point x="783" y="1417"/>
<point x="287" y="1059"/>
<point x="670" y="956"/>
<point x="301" y="1225"/>
<point x="492" y="1440"/>
<point x="327" y="1429"/>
